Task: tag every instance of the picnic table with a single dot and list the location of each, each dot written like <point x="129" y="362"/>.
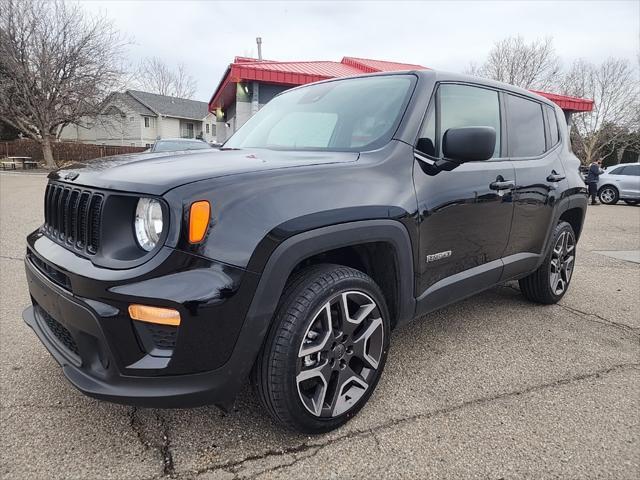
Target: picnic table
<point x="26" y="161"/>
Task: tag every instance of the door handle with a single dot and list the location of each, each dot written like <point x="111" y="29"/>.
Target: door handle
<point x="502" y="185"/>
<point x="555" y="177"/>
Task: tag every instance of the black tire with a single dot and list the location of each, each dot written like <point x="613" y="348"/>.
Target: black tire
<point x="543" y="285"/>
<point x="305" y="303"/>
<point x="609" y="195"/>
<point x="632" y="202"/>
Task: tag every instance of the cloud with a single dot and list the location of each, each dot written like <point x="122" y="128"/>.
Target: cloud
<point x="206" y="35"/>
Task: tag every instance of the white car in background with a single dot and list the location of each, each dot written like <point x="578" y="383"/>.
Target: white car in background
<point x="620" y="182"/>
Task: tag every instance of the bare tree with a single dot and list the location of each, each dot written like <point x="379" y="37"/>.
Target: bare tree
<point x="156" y="76"/>
<point x="56" y="64"/>
<point x="615" y="90"/>
<point x="532" y="65"/>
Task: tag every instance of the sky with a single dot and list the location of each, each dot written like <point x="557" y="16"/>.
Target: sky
<point x="206" y="35"/>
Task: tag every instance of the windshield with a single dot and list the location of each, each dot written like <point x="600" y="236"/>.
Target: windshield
<point x="177" y="145"/>
<point x="346" y="115"/>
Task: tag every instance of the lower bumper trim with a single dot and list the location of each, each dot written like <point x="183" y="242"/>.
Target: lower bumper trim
<point x="181" y="391"/>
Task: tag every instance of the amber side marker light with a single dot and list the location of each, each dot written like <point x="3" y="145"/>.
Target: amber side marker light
<point x="199" y="215"/>
<point x="161" y="316"/>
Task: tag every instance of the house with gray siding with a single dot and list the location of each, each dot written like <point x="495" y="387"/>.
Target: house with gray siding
<point x="136" y="118"/>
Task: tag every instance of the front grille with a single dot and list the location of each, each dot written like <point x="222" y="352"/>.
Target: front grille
<point x="73" y="216"/>
<point x="60" y="332"/>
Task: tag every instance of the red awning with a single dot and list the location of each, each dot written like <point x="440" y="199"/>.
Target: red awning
<point x="567" y="103"/>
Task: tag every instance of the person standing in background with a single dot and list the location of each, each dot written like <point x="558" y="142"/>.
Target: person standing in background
<point x="592" y="180"/>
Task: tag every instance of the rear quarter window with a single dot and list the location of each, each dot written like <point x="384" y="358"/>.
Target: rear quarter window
<point x="554" y="135"/>
<point x="525" y="127"/>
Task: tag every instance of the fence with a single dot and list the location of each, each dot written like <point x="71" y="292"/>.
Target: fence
<point x="63" y="151"/>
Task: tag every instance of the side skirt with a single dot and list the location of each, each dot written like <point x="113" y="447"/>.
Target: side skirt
<point x="475" y="280"/>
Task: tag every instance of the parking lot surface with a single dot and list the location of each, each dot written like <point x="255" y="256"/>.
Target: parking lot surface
<point x="493" y="387"/>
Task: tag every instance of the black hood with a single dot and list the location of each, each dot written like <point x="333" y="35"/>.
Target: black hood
<point x="156" y="173"/>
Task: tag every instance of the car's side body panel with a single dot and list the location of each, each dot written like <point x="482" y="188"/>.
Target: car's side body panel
<point x="625" y="178"/>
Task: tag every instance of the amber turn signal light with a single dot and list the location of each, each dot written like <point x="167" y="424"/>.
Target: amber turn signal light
<point x="199" y="220"/>
<point x="161" y="316"/>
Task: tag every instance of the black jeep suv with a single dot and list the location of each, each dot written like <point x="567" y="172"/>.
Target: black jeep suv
<point x="339" y="211"/>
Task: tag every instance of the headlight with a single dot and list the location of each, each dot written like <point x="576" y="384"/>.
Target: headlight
<point x="148" y="223"/>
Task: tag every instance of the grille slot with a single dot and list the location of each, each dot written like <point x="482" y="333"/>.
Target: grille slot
<point x="50" y="272"/>
<point x="73" y="216"/>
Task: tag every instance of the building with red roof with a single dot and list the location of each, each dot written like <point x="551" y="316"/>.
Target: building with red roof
<point x="249" y="83"/>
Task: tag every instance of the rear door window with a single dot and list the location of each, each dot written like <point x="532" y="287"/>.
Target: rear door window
<point x="525" y="127"/>
<point x="630" y="170"/>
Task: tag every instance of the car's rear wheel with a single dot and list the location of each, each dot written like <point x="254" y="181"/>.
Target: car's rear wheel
<point x="632" y="202"/>
<point x="550" y="282"/>
<point x="326" y="349"/>
<point x="609" y="195"/>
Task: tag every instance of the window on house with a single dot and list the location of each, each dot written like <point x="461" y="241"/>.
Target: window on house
<point x="525" y="127"/>
<point x="207" y="127"/>
<point x="146" y="122"/>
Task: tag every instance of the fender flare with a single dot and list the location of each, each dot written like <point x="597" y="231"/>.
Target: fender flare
<point x="307" y="244"/>
<point x="567" y="203"/>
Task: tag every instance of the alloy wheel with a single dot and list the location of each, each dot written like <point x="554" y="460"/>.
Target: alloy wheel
<point x="562" y="261"/>
<point x="607" y="195"/>
<point x="339" y="354"/>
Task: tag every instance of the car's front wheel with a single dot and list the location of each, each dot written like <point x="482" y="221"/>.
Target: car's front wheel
<point x="326" y="349"/>
<point x="550" y="282"/>
<point x="609" y="195"/>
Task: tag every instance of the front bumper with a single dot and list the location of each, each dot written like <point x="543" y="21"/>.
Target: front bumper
<point x="101" y="354"/>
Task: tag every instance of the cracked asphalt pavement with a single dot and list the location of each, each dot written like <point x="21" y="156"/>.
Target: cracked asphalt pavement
<point x="493" y="387"/>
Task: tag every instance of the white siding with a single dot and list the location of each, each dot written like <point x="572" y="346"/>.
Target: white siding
<point x="119" y="125"/>
<point x="168" y="127"/>
<point x="210" y="120"/>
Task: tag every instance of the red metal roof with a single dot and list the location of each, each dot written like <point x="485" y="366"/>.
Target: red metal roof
<point x="300" y="73"/>
<point x="367" y="65"/>
<point x="565" y="102"/>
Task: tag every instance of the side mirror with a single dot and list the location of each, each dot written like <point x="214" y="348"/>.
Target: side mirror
<point x="467" y="144"/>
